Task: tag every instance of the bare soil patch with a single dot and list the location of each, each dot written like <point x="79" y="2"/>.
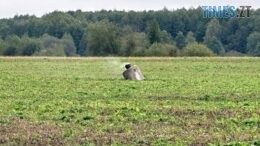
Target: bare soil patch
<point x="22" y="132"/>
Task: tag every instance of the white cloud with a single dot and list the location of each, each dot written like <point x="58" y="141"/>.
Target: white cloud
<point x="9" y="8"/>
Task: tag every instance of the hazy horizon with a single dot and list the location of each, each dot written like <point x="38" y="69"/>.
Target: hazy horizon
<point x="10" y="8"/>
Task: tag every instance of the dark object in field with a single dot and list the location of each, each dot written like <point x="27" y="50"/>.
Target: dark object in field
<point x="132" y="73"/>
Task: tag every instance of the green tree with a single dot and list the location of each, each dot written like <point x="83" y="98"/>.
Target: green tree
<point x="235" y="34"/>
<point x="212" y="37"/>
<point x="190" y="38"/>
<point x="141" y="43"/>
<point x="200" y="31"/>
<point x="165" y="37"/>
<point x="196" y="49"/>
<point x="215" y="45"/>
<point x="253" y="44"/>
<point x="4" y="28"/>
<point x="83" y="44"/>
<point x="213" y="30"/>
<point x="130" y="45"/>
<point x="37" y="27"/>
<point x="31" y="48"/>
<point x="10" y="51"/>
<point x="159" y="49"/>
<point x="153" y="31"/>
<point x="2" y="46"/>
<point x="133" y="43"/>
<point x="14" y="45"/>
<point x="256" y="20"/>
<point x="77" y="30"/>
<point x="102" y="38"/>
<point x="52" y="46"/>
<point x="20" y="25"/>
<point x="180" y="40"/>
<point x="69" y="47"/>
<point x="58" y="23"/>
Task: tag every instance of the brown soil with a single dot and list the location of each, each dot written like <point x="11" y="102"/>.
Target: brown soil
<point x="22" y="132"/>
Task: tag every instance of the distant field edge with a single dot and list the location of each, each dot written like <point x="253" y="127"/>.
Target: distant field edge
<point x="119" y="57"/>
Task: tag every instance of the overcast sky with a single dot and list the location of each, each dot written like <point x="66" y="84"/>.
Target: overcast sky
<point x="9" y="8"/>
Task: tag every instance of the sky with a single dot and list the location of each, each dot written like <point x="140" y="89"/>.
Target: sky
<point x="10" y="8"/>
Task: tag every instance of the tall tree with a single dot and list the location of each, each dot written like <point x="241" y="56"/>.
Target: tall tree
<point x="69" y="46"/>
<point x="130" y="45"/>
<point x="83" y="44"/>
<point x="253" y="44"/>
<point x="200" y="31"/>
<point x="14" y="45"/>
<point x="153" y="31"/>
<point x="212" y="37"/>
<point x="2" y="46"/>
<point x="190" y="38"/>
<point x="215" y="45"/>
<point x="103" y="38"/>
<point x="77" y="31"/>
<point x="213" y="30"/>
<point x="29" y="45"/>
<point x="58" y="23"/>
<point x="165" y="37"/>
<point x="180" y="40"/>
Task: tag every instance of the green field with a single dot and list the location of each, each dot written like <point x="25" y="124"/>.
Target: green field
<point x="82" y="101"/>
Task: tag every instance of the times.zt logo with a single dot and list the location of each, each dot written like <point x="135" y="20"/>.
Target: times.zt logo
<point x="226" y="11"/>
<point x="243" y="11"/>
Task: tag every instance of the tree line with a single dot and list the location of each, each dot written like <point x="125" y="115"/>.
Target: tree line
<point x="181" y="32"/>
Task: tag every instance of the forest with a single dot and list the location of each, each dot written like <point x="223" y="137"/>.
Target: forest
<point x="180" y="32"/>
